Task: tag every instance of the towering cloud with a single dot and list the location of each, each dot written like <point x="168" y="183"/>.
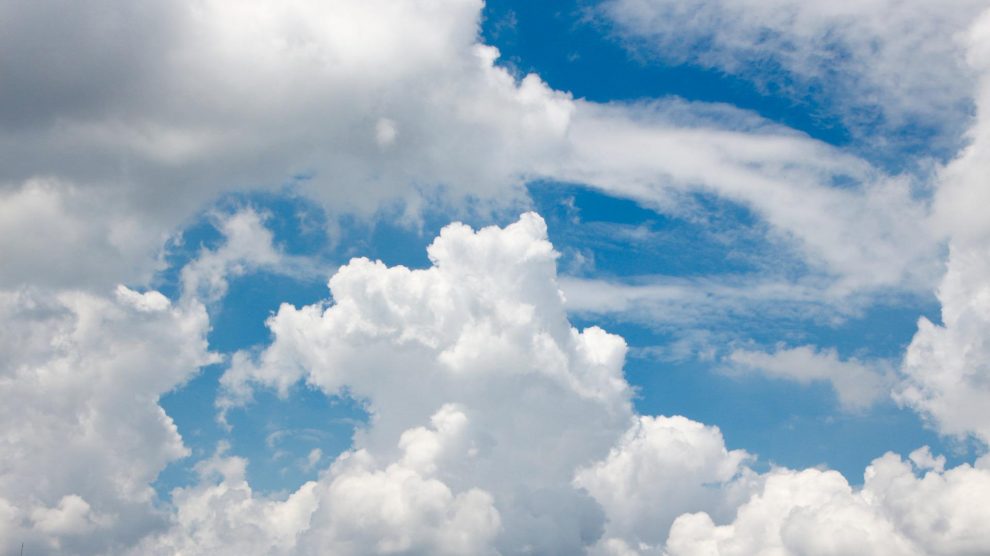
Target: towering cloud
<point x="947" y="365"/>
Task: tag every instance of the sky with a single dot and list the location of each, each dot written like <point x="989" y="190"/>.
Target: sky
<point x="618" y="277"/>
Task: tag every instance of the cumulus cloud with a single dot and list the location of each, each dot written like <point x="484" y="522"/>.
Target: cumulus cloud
<point x="818" y="512"/>
<point x="356" y="507"/>
<point x="535" y="416"/>
<point x="484" y="327"/>
<point x="947" y="375"/>
<point x="659" y="469"/>
<point x="373" y="102"/>
<point x="84" y="435"/>
<point x="81" y="378"/>
<point x="496" y="427"/>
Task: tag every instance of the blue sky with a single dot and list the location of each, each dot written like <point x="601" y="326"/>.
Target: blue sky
<point x="776" y="207"/>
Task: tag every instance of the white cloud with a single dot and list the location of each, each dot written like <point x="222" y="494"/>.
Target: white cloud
<point x="485" y="328"/>
<point x="223" y="95"/>
<point x="356" y="507"/>
<point x="541" y="425"/>
<point x="871" y="234"/>
<point x="495" y="427"/>
<point x="857" y="384"/>
<point x="887" y="68"/>
<point x="659" y="469"/>
<point x="153" y="111"/>
<point x="485" y="401"/>
<point x="947" y="365"/>
<point x="818" y="512"/>
<point x="676" y="302"/>
<point x="248" y="246"/>
<point x="84" y="435"/>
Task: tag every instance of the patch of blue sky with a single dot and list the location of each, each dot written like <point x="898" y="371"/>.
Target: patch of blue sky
<point x="275" y="435"/>
<point x="607" y="236"/>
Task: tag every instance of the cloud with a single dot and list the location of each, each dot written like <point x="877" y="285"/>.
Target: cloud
<point x="495" y="424"/>
<point x="675" y="302"/>
<point x="209" y="97"/>
<point x="81" y="378"/>
<point x="891" y="71"/>
<point x="534" y="415"/>
<point x="659" y="469"/>
<point x="357" y="507"/>
<point x="873" y="233"/>
<point x="84" y="435"/>
<point x="484" y="327"/>
<point x="495" y="427"/>
<point x="857" y="384"/>
<point x="151" y="112"/>
<point x="946" y="369"/>
<point x="818" y="512"/>
<point x="248" y="246"/>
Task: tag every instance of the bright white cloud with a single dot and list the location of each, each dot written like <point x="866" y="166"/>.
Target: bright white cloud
<point x="659" y="469"/>
<point x="485" y="328"/>
<point x="356" y="507"/>
<point x="817" y="513"/>
<point x="857" y="384"/>
<point x="81" y="377"/>
<point x="947" y="365"/>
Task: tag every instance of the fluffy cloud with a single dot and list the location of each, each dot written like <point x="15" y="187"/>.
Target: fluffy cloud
<point x="660" y="468"/>
<point x="83" y="433"/>
<point x="947" y="375"/>
<point x="81" y="377"/>
<point x="356" y="507"/>
<point x="495" y="426"/>
<point x="485" y="328"/>
<point x="818" y="512"/>
<point x="534" y="420"/>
